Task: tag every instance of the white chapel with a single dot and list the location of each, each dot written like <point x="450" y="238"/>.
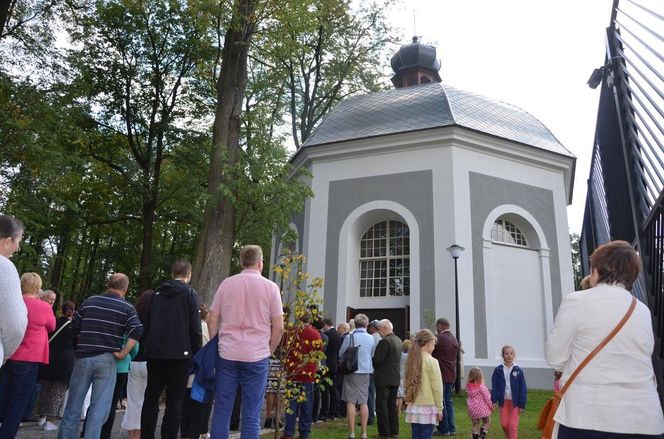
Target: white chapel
<point x="401" y="175"/>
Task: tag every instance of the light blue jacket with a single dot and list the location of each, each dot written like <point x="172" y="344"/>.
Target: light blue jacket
<point x="366" y="343"/>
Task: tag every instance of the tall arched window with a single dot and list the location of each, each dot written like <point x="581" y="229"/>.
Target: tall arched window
<point x="385" y="260"/>
<point x="506" y="232"/>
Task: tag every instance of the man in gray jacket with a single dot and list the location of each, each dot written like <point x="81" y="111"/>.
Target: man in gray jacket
<point x="387" y="377"/>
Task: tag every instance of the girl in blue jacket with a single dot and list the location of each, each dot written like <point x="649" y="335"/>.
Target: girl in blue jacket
<point x="509" y="391"/>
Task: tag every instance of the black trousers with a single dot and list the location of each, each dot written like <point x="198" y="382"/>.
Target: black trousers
<point x="386" y="411"/>
<point x="329" y="399"/>
<point x="173" y="375"/>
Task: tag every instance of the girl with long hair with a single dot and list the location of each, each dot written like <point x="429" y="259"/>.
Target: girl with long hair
<point x="424" y="387"/>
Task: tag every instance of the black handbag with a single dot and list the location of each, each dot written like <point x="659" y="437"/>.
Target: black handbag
<point x="348" y="361"/>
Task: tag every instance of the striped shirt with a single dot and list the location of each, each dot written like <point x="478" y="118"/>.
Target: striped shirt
<point x="102" y="322"/>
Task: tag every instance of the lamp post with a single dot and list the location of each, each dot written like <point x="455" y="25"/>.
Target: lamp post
<point x="455" y="250"/>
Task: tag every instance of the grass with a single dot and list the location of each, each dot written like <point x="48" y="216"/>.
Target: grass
<point x="527" y="425"/>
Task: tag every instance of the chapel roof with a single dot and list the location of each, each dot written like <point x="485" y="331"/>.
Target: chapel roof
<point x="428" y="106"/>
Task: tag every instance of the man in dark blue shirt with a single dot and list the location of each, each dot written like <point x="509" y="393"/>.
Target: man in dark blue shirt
<point x="102" y="322"/>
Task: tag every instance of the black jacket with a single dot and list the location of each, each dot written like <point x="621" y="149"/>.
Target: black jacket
<point x="332" y="350"/>
<point x="172" y="327"/>
<point x="386" y="361"/>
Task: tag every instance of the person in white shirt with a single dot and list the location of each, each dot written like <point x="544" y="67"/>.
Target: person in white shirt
<point x="615" y="395"/>
<point x="13" y="313"/>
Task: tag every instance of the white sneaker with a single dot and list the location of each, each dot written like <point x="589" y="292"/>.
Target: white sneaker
<point x="41" y="422"/>
<point x="49" y="426"/>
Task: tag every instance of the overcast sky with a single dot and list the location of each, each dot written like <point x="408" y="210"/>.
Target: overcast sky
<point x="534" y="54"/>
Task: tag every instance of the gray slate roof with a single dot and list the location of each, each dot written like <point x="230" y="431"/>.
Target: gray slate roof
<point x="427" y="106"/>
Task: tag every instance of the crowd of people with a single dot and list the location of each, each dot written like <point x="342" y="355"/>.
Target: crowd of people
<point x="228" y="361"/>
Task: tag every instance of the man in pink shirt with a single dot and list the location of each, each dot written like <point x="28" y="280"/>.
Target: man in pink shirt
<point x="247" y="314"/>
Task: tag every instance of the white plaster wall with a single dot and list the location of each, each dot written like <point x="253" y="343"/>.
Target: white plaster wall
<point x="468" y="159"/>
<point x="517" y="298"/>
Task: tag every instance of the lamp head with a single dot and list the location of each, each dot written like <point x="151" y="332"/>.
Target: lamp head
<point x="455" y="250"/>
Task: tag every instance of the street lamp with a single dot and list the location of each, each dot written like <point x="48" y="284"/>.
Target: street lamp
<point x="455" y="250"/>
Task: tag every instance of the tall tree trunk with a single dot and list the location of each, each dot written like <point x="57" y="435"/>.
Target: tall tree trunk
<point x="59" y="264"/>
<point x="215" y="245"/>
<point x="5" y="6"/>
<point x="145" y="275"/>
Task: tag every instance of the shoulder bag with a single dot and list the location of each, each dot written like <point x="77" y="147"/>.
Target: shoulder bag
<point x="349" y="360"/>
<point x="58" y="331"/>
<point x="546" y="422"/>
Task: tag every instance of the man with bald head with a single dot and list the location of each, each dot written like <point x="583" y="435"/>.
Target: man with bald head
<point x="102" y="322"/>
<point x="386" y="360"/>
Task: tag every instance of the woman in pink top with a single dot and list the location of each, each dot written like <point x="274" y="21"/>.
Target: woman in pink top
<point x="19" y="375"/>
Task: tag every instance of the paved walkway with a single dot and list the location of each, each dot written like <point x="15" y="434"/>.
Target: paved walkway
<point x="30" y="430"/>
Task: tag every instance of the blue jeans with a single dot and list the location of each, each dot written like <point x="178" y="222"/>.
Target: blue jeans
<point x="100" y="372"/>
<point x="251" y="377"/>
<point x="17" y="382"/>
<point x="302" y="409"/>
<point x="421" y="431"/>
<point x="371" y="400"/>
<point x="447" y="425"/>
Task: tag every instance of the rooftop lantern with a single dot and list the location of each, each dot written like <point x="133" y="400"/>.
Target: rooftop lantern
<point x="414" y="64"/>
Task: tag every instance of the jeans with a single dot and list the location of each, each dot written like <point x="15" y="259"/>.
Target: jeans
<point x="303" y="410"/>
<point x="173" y="375"/>
<point x="577" y="433"/>
<point x="107" y="428"/>
<point x="100" y="371"/>
<point x="251" y="377"/>
<point x="447" y="424"/>
<point x="421" y="431"/>
<point x="371" y="401"/>
<point x="30" y="408"/>
<point x="17" y="381"/>
<point x="386" y="411"/>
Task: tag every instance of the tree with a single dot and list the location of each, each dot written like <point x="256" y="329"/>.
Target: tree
<point x="326" y="51"/>
<point x="303" y="56"/>
<point x="577" y="267"/>
<point x="217" y="239"/>
<point x="133" y="61"/>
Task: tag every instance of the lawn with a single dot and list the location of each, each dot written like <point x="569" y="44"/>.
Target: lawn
<point x="527" y="426"/>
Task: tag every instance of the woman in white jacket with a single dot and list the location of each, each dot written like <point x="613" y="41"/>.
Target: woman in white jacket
<point x="615" y="395"/>
<point x="13" y="313"/>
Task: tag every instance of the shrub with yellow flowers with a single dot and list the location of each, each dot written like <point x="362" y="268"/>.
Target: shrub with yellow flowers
<point x="301" y="359"/>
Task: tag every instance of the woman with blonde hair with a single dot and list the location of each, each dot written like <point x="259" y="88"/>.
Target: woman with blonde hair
<point x="424" y="387"/>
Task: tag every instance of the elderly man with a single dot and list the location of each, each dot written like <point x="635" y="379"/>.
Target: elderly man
<point x="386" y="361"/>
<point x="248" y="316"/>
<point x="48" y="296"/>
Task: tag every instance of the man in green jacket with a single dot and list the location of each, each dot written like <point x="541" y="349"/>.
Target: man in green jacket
<point x="386" y="375"/>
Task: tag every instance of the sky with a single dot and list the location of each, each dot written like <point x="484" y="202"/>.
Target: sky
<point x="536" y="54"/>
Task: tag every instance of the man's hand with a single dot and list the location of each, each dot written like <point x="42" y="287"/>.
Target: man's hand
<point x="119" y="355"/>
<point x="439" y="416"/>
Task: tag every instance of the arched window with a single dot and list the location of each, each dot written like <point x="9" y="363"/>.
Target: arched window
<point x="506" y="232"/>
<point x="385" y="260"/>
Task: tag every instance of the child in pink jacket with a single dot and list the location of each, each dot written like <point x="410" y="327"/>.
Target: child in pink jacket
<point x="479" y="403"/>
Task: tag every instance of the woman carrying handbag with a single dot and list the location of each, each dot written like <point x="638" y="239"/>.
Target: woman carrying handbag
<point x="614" y="394"/>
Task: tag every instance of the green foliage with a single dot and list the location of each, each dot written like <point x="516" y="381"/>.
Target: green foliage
<point x="575" y="242"/>
<point x="301" y="301"/>
<point x="105" y="137"/>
